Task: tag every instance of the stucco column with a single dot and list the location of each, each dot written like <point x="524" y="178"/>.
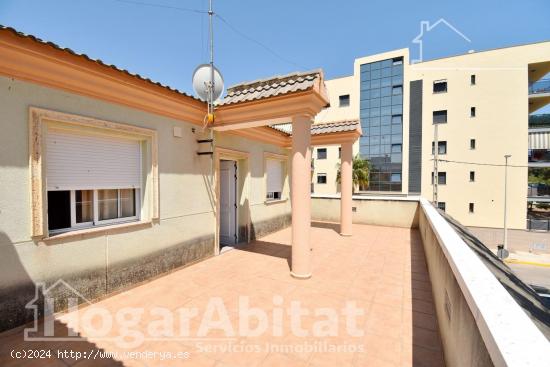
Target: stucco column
<point x="300" y="192"/>
<point x="346" y="188"/>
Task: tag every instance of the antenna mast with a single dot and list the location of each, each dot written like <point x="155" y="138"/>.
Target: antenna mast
<point x="211" y="86"/>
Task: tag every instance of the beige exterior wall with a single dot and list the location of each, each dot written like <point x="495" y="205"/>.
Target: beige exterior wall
<point x="329" y="166"/>
<point x="500" y="97"/>
<point x="100" y="263"/>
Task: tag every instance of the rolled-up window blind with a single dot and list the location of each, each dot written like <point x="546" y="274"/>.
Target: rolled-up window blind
<point x="274" y="170"/>
<point x="77" y="161"/>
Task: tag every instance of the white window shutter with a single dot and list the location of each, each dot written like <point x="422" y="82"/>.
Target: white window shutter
<point x="82" y="162"/>
<point x="274" y="171"/>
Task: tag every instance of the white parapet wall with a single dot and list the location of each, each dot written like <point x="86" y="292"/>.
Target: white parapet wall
<point x="467" y="292"/>
<point x="391" y="211"/>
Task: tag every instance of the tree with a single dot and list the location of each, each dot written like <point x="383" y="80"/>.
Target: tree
<point x="360" y="173"/>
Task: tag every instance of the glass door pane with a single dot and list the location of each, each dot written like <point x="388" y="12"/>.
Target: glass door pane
<point x="108" y="204"/>
<point x="84" y="206"/>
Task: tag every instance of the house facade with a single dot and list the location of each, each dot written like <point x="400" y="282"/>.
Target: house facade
<point x="109" y="179"/>
<point x="481" y="103"/>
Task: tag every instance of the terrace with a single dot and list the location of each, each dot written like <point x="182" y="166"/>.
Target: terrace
<point x="427" y="298"/>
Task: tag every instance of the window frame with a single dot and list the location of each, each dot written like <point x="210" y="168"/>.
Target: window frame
<point x="346" y="98"/>
<point x="96" y="222"/>
<point x="440" y="111"/>
<point x="437" y="82"/>
<point x="443" y="174"/>
<point x="443" y="143"/>
<point x="39" y="122"/>
<point x="270" y="196"/>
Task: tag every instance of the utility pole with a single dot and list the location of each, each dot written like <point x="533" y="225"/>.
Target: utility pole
<point x="436" y="168"/>
<point x="505" y="244"/>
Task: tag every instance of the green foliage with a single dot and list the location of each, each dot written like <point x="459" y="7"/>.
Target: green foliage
<point x="361" y="172"/>
<point x="539" y="175"/>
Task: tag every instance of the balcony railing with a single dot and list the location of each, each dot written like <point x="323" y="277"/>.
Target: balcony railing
<point x="539" y="121"/>
<point x="540" y="87"/>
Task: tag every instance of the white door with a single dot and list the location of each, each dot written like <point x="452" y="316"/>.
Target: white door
<point x="228" y="202"/>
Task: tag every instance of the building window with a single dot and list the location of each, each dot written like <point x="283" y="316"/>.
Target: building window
<point x="344" y="100"/>
<point x="395" y="177"/>
<point x="473" y="79"/>
<point x="100" y="188"/>
<point x="274" y="179"/>
<point x="442" y="147"/>
<point x="396" y="148"/>
<point x="440" y="117"/>
<point x="471" y="207"/>
<point x="472" y="144"/>
<point x="442" y="178"/>
<point x="321" y="178"/>
<point x="441" y="205"/>
<point x="397" y="90"/>
<point x="440" y="86"/>
<point x="472" y="176"/>
<point x="339" y="152"/>
<point x="472" y="112"/>
<point x="321" y="153"/>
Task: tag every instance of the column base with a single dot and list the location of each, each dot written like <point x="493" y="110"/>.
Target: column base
<point x="300" y="276"/>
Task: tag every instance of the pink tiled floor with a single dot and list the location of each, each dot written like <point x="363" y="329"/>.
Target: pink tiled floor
<point x="382" y="269"/>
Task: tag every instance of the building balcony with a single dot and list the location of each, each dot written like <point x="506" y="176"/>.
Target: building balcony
<point x="431" y="295"/>
<point x="540" y="87"/>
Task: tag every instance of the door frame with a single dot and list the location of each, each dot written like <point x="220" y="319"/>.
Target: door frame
<point x="243" y="166"/>
<point x="234" y="208"/>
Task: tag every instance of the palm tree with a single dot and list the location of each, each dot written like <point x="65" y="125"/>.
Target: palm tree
<point x="360" y="173"/>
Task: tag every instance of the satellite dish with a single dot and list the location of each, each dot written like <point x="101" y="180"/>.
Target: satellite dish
<point x="201" y="81"/>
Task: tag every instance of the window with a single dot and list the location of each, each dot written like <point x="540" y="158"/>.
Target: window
<point x="344" y="100"/>
<point x="471" y="207"/>
<point x="440" y="117"/>
<point x="472" y="112"/>
<point x="472" y="144"/>
<point x="472" y="176"/>
<point x="441" y="205"/>
<point x="440" y="86"/>
<point x="397" y="90"/>
<point x="442" y="178"/>
<point x="473" y="79"/>
<point x="274" y="179"/>
<point x="396" y="148"/>
<point x="321" y="153"/>
<point x="339" y="152"/>
<point x="395" y="177"/>
<point x="104" y="183"/>
<point x="442" y="147"/>
<point x="321" y="178"/>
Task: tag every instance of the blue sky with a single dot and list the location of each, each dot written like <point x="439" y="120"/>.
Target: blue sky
<point x="166" y="44"/>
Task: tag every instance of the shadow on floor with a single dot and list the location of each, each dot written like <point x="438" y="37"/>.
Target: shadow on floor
<point x="269" y="248"/>
<point x="52" y="352"/>
<point x="327" y="225"/>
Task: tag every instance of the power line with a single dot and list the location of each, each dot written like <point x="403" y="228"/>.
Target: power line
<point x="143" y="3"/>
<point x="265" y="47"/>
<point x="482" y="164"/>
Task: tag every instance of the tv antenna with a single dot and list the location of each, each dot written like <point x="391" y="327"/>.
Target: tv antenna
<point x="207" y="80"/>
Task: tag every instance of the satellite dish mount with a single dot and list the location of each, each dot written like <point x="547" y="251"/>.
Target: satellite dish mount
<point x="207" y="80"/>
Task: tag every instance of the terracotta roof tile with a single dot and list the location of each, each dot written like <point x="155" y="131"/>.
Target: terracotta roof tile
<point x="322" y="128"/>
<point x="271" y="87"/>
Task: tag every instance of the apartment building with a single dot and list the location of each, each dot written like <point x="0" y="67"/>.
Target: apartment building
<point x="481" y="103"/>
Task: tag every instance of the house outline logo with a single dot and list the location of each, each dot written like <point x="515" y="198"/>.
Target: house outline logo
<point x="41" y="289"/>
<point x="425" y="27"/>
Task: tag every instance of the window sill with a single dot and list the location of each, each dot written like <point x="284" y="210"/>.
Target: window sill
<point x="95" y="230"/>
<point x="275" y="201"/>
